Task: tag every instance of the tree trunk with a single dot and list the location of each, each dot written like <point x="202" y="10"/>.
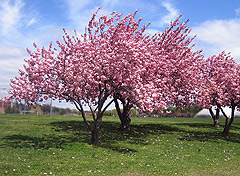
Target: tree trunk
<point x="215" y="117"/>
<point x="95" y="135"/>
<point x="228" y="124"/>
<point x="96" y="129"/>
<point x="97" y="115"/>
<point x="125" y="120"/>
<point x="227" y="127"/>
<point x="124" y="114"/>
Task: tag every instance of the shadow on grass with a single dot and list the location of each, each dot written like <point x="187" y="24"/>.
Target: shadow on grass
<point x="213" y="134"/>
<point x="196" y="125"/>
<point x="111" y="133"/>
<point x="46" y="142"/>
<point x="235" y="126"/>
<point x="77" y="133"/>
<point x="68" y="132"/>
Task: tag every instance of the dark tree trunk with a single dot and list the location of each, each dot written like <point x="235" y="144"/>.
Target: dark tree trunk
<point x="97" y="113"/>
<point x="124" y="114"/>
<point x="227" y="127"/>
<point x="95" y="127"/>
<point x="95" y="131"/>
<point x="215" y="117"/>
<point x="228" y="124"/>
<point x="125" y="120"/>
<point x="95" y="135"/>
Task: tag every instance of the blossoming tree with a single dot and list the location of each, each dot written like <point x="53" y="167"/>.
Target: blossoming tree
<point x="111" y="57"/>
<point x="182" y="65"/>
<point x="173" y="73"/>
<point x="220" y="86"/>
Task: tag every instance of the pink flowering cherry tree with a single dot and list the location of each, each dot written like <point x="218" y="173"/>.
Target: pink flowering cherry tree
<point x="180" y="65"/>
<point x="220" y="86"/>
<point x="87" y="70"/>
<point x="172" y="74"/>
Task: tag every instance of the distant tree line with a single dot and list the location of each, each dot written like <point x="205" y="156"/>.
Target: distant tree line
<point x="187" y="112"/>
<point x="45" y="109"/>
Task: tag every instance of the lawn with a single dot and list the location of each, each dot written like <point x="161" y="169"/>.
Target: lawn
<point x="58" y="145"/>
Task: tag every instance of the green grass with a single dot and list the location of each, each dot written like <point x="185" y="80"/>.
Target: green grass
<point x="35" y="145"/>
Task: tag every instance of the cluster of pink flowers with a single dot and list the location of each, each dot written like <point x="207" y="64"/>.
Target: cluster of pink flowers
<point x="220" y="81"/>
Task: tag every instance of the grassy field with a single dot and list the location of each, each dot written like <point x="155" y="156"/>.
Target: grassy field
<point x="40" y="145"/>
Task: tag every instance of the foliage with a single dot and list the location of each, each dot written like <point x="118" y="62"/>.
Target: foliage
<point x="38" y="145"/>
<point x="112" y="112"/>
<point x="174" y="111"/>
<point x="38" y="109"/>
<point x="11" y="110"/>
<point x="183" y="112"/>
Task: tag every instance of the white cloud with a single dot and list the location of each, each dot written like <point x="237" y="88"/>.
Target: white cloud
<point x="215" y="36"/>
<point x="152" y="31"/>
<point x="80" y="15"/>
<point x="10" y="51"/>
<point x="31" y="22"/>
<point x="173" y="13"/>
<point x="75" y="5"/>
<point x="11" y="59"/>
<point x="13" y="16"/>
<point x="110" y="3"/>
<point x="10" y="15"/>
<point x="77" y="12"/>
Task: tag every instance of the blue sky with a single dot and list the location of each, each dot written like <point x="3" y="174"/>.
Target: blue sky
<point x="22" y="22"/>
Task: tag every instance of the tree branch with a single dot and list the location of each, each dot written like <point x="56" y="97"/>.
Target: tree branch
<point x="92" y="111"/>
<point x="108" y="105"/>
<point x="80" y="108"/>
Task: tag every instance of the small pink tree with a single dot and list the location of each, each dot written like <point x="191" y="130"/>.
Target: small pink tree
<point x="109" y="58"/>
<point x="220" y="86"/>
